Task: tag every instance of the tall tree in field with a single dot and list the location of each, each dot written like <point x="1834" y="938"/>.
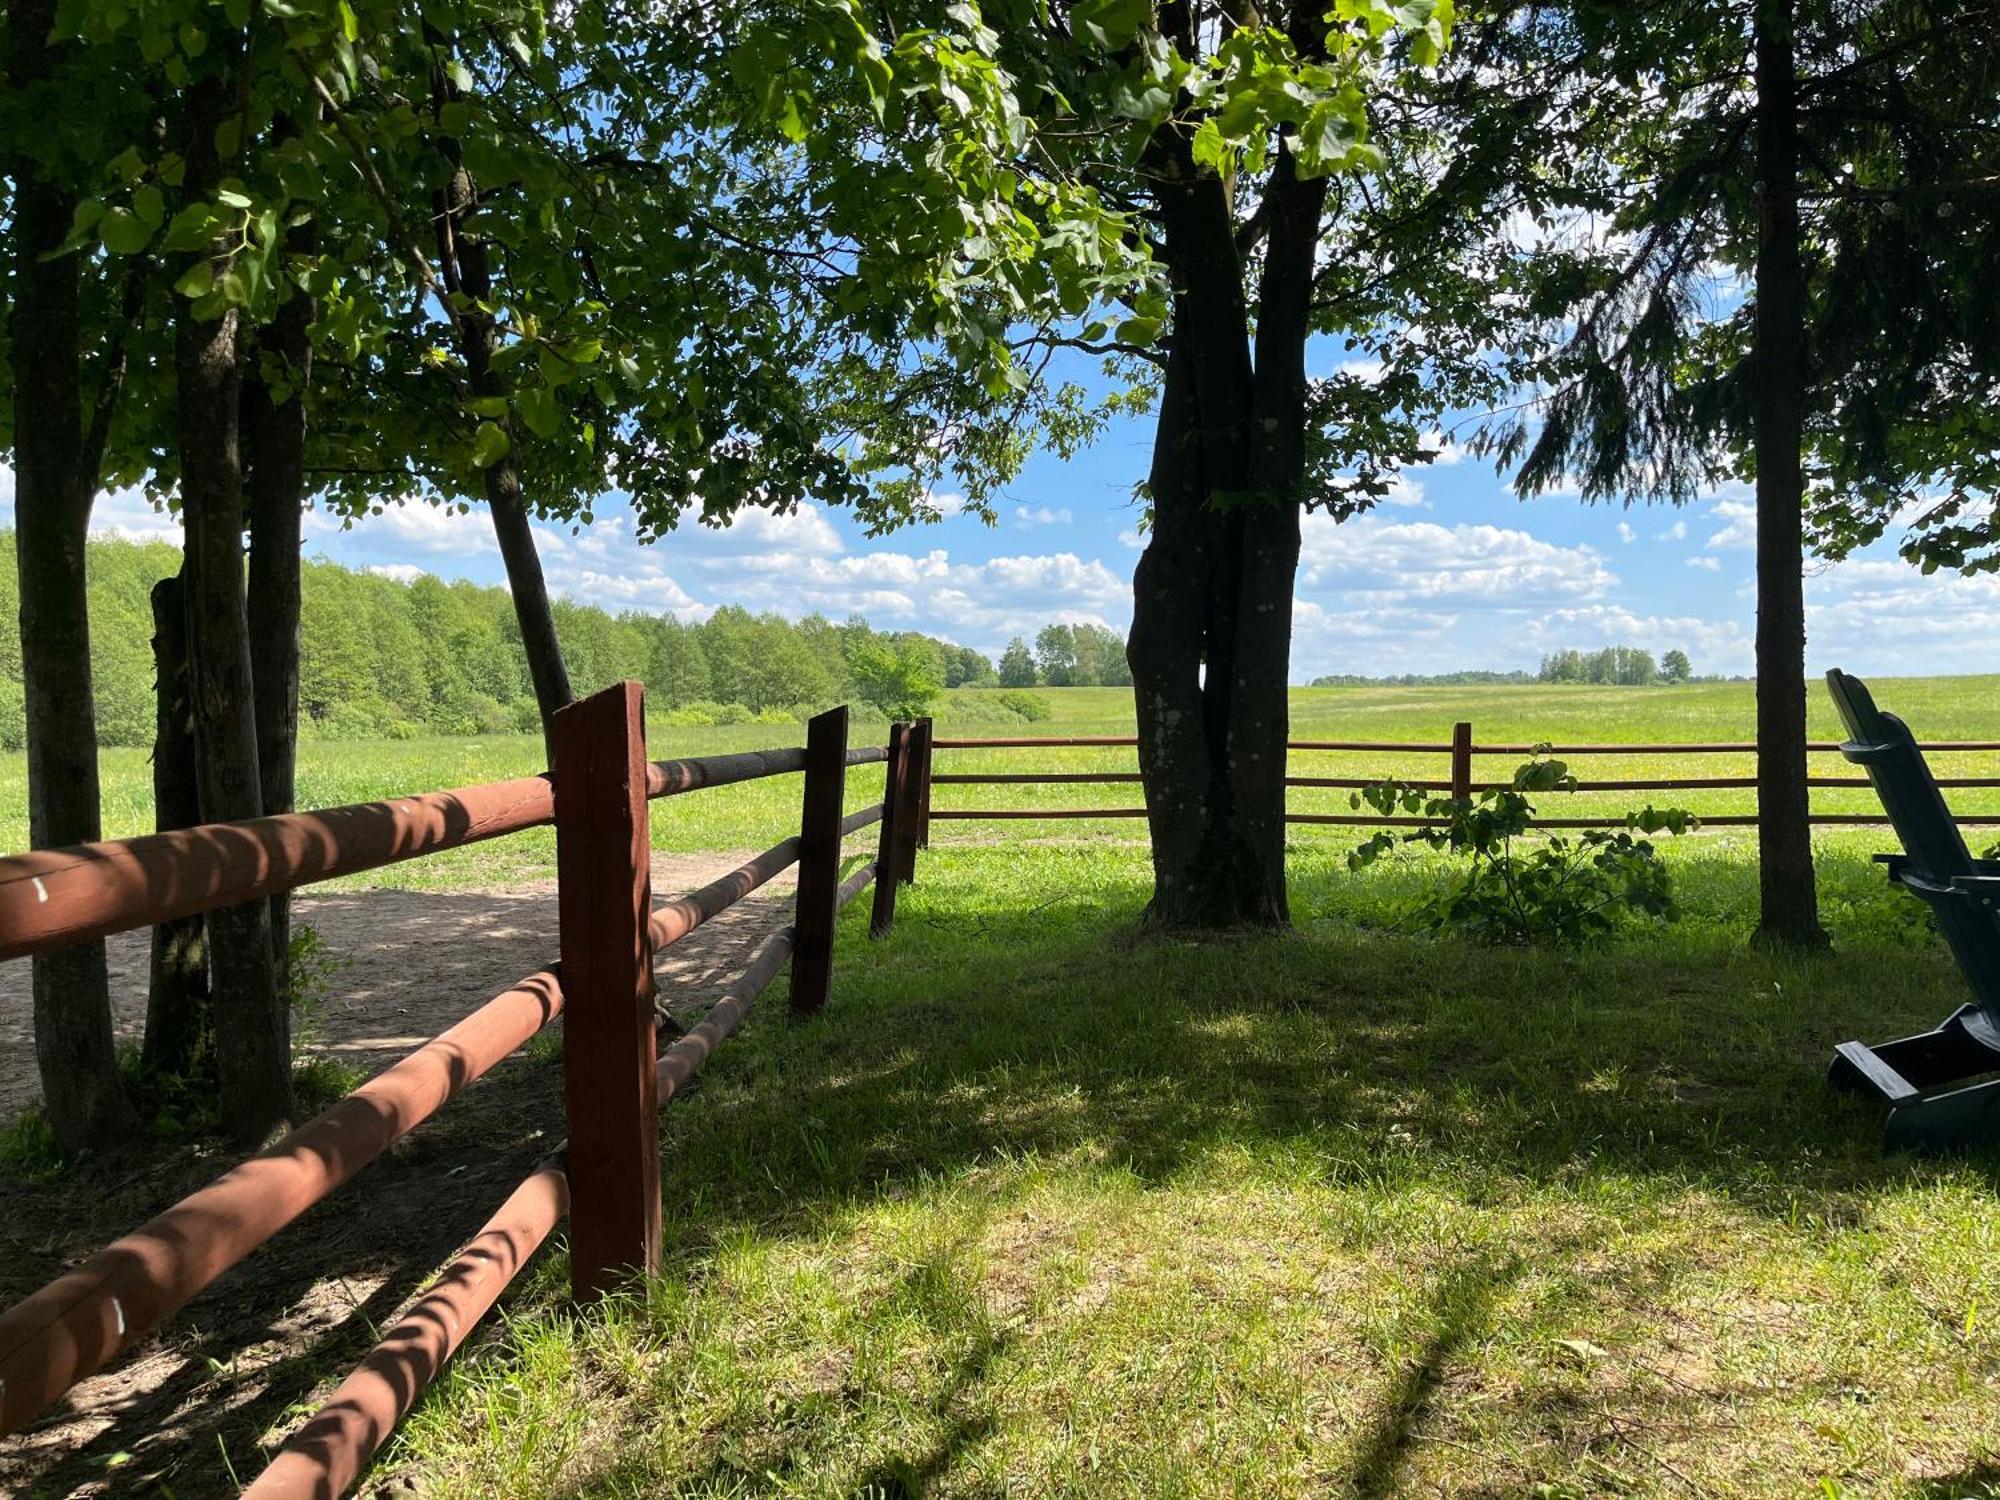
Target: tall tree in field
<point x="66" y="365"/>
<point x="1734" y="133"/>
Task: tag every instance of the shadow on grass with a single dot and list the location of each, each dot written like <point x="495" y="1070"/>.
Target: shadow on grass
<point x="1465" y="1304"/>
<point x="974" y="1033"/>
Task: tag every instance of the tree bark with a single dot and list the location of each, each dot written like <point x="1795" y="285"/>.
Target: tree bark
<point x="462" y="251"/>
<point x="55" y="488"/>
<point x="252" y="1026"/>
<point x="1210" y="648"/>
<point x="177" y="1000"/>
<point x="1789" y="908"/>
<point x="276" y="432"/>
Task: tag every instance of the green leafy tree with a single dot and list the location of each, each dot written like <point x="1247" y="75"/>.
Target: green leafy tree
<point x="1055" y="655"/>
<point x="1675" y="666"/>
<point x="1017" y="665"/>
<point x="1768" y="137"/>
<point x="901" y="681"/>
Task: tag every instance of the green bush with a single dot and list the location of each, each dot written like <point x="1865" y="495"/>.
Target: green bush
<point x="1030" y="706"/>
<point x="1557" y="889"/>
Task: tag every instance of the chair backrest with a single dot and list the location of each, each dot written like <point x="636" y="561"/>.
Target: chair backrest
<point x="1882" y="744"/>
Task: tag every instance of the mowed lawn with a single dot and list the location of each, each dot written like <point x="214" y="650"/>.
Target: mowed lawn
<point x="1039" y="1208"/>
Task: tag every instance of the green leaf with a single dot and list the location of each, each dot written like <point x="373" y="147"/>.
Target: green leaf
<point x="489" y="444"/>
<point x="350" y="26"/>
<point x="196" y="280"/>
<point x="1111" y="24"/>
<point x="540" y="410"/>
<point x="124" y="232"/>
<point x="1140" y="330"/>
<point x="150" y="204"/>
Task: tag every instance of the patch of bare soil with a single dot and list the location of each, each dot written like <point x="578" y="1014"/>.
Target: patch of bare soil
<point x="183" y="1413"/>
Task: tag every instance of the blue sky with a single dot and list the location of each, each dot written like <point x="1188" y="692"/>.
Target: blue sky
<point x="1454" y="571"/>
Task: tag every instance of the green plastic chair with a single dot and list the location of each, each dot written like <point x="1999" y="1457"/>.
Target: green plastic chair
<point x="1916" y="1075"/>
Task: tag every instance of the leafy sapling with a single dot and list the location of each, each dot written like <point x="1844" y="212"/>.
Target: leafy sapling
<point x="1555" y="889"/>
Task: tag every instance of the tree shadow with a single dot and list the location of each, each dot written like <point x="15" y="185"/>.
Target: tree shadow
<point x="1465" y="1304"/>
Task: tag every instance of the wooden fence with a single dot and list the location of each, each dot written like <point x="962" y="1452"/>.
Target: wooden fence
<point x="605" y="1175"/>
<point x="1459" y="779"/>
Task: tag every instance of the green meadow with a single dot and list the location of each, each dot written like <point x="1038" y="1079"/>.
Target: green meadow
<point x="1039" y="1207"/>
<point x="332" y="772"/>
<point x="1043" y="1206"/>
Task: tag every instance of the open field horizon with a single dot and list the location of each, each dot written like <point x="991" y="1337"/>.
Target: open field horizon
<point x="335" y="772"/>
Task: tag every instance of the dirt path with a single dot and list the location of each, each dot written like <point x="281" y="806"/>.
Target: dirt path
<point x="184" y="1411"/>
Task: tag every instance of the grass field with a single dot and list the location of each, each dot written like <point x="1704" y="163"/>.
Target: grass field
<point x="756" y="814"/>
<point x="1036" y="1209"/>
<point x="1040" y="1207"/>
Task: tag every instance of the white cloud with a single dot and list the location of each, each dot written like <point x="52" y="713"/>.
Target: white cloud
<point x="1736" y="530"/>
<point x="420" y="527"/>
<point x="1130" y="537"/>
<point x="1406" y="493"/>
<point x="1391" y="562"/>
<point x="1675" y="533"/>
<point x="1447" y="451"/>
<point x="1040" y="515"/>
<point x="1626" y="533"/>
<point x="1706" y="564"/>
<point x="400" y="572"/>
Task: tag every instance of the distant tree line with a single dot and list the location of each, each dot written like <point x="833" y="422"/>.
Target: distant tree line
<point x="383" y="657"/>
<point x="1427" y="679"/>
<point x="1066" y="656"/>
<point x="1616" y="666"/>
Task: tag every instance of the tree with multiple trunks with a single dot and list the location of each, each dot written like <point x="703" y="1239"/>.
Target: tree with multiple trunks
<point x="1748" y="152"/>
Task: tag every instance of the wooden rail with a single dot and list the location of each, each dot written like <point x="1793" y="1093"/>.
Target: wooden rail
<point x="1459" y="751"/>
<point x="605" y="1178"/>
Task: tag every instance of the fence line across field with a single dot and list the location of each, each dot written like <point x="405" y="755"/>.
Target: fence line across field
<point x="1461" y="748"/>
<point x="605" y="1176"/>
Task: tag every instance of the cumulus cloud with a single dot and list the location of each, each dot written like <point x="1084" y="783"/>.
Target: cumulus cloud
<point x="1675" y="533"/>
<point x="1395" y="561"/>
<point x="1040" y="515"/>
<point x="1626" y="533"/>
<point x="1705" y="563"/>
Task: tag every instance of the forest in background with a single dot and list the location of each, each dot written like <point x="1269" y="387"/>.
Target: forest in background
<point x="381" y="658"/>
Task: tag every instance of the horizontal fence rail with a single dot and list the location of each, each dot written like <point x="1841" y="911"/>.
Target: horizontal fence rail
<point x="1460" y="750"/>
<point x="85" y="1318"/>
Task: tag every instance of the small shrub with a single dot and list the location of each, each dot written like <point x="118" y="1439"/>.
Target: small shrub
<point x="28" y="1149"/>
<point x="1559" y="889"/>
<point x="776" y="716"/>
<point x="1030" y="706"/>
<point x="731" y="713"/>
<point x="310" y="966"/>
<point x="527" y="716"/>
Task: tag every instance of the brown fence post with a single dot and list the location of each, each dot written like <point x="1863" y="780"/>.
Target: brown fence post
<point x="604" y="900"/>
<point x="910" y="816"/>
<point x="819" y="859"/>
<point x="1461" y="761"/>
<point x="888" y="848"/>
<point x="925" y="734"/>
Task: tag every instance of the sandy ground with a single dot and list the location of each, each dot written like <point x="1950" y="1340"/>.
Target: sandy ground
<point x="413" y="962"/>
<point x="279" y="1330"/>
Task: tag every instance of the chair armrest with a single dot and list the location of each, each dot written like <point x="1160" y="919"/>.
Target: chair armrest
<point x="1983" y="888"/>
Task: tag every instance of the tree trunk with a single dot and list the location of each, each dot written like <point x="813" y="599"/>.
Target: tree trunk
<point x="177" y="1001"/>
<point x="1210" y="648"/>
<point x="252" y="1027"/>
<point x="462" y="251"/>
<point x="55" y="487"/>
<point x="1789" y="908"/>
<point x="276" y="432"/>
